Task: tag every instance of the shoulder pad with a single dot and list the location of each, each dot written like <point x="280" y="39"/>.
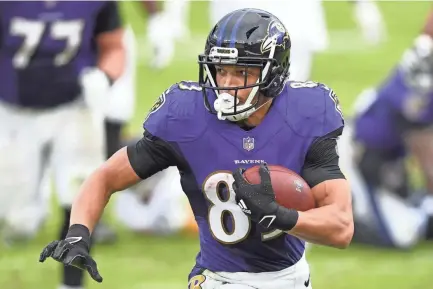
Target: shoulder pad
<point x="312" y="109"/>
<point x="178" y="113"/>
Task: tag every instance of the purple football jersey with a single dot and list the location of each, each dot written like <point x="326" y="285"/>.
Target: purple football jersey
<point x="229" y="240"/>
<point x="43" y="47"/>
<point x="377" y="126"/>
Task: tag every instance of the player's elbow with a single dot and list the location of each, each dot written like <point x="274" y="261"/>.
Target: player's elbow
<point x="344" y="237"/>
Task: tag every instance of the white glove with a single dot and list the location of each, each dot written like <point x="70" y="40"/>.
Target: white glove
<point x="370" y="20"/>
<point x="417" y="63"/>
<point x="95" y="86"/>
<point x="161" y="39"/>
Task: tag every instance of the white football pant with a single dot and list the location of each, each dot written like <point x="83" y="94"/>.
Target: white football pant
<point x="65" y="137"/>
<point x="295" y="277"/>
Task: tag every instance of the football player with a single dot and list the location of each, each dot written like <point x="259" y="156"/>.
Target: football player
<point x="57" y="60"/>
<point x="392" y="122"/>
<point x="242" y="110"/>
<point x="164" y="27"/>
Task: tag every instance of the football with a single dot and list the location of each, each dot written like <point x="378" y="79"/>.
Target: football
<point x="291" y="190"/>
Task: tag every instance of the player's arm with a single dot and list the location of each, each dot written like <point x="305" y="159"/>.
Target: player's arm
<point x="109" y="41"/>
<point x="126" y="167"/>
<point x="331" y="223"/>
<point x="428" y="26"/>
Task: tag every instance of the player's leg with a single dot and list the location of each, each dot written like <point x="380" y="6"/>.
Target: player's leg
<point x="419" y="141"/>
<point x="78" y="149"/>
<point x="382" y="216"/>
<point x="21" y="145"/>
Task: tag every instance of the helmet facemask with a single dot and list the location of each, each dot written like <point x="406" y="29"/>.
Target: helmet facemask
<point x="227" y="106"/>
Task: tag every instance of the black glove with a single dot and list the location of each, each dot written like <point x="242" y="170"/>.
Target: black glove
<point x="73" y="251"/>
<point x="258" y="201"/>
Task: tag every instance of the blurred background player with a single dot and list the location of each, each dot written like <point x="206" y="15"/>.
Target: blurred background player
<point x="156" y="206"/>
<point x="58" y="60"/>
<point x="167" y="23"/>
<point x="119" y="111"/>
<point x="394" y="122"/>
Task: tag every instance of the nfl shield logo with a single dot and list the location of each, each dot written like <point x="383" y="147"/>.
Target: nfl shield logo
<point x="248" y="143"/>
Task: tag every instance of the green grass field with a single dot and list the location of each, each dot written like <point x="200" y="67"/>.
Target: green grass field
<point x="137" y="262"/>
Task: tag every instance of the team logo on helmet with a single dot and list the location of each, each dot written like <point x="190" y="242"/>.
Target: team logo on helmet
<point x="277" y="35"/>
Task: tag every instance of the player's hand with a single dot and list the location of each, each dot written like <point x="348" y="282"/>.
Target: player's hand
<point x="95" y="85"/>
<point x="258" y="201"/>
<point x="73" y="251"/>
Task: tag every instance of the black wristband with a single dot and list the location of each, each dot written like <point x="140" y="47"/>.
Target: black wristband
<point x="286" y="218"/>
<point x="78" y="230"/>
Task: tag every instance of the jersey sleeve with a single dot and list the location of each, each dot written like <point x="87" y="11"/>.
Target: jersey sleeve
<point x="333" y="115"/>
<point x="151" y="155"/>
<point x="321" y="161"/>
<point x="108" y="18"/>
<point x="157" y="119"/>
<point x="312" y="109"/>
<point x="178" y="114"/>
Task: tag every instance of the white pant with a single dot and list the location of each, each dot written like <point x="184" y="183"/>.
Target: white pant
<point x="66" y="137"/>
<point x="166" y="210"/>
<point x="294" y="277"/>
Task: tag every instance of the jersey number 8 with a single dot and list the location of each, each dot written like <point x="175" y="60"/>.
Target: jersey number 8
<point x="213" y="186"/>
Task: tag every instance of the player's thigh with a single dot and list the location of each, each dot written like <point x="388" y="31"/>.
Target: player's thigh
<point x="20" y="164"/>
<point x="78" y="150"/>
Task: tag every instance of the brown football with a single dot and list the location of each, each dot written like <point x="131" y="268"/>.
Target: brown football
<point x="291" y="190"/>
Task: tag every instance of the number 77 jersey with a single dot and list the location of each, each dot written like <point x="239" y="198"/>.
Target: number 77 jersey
<point x="43" y="47"/>
<point x="208" y="151"/>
